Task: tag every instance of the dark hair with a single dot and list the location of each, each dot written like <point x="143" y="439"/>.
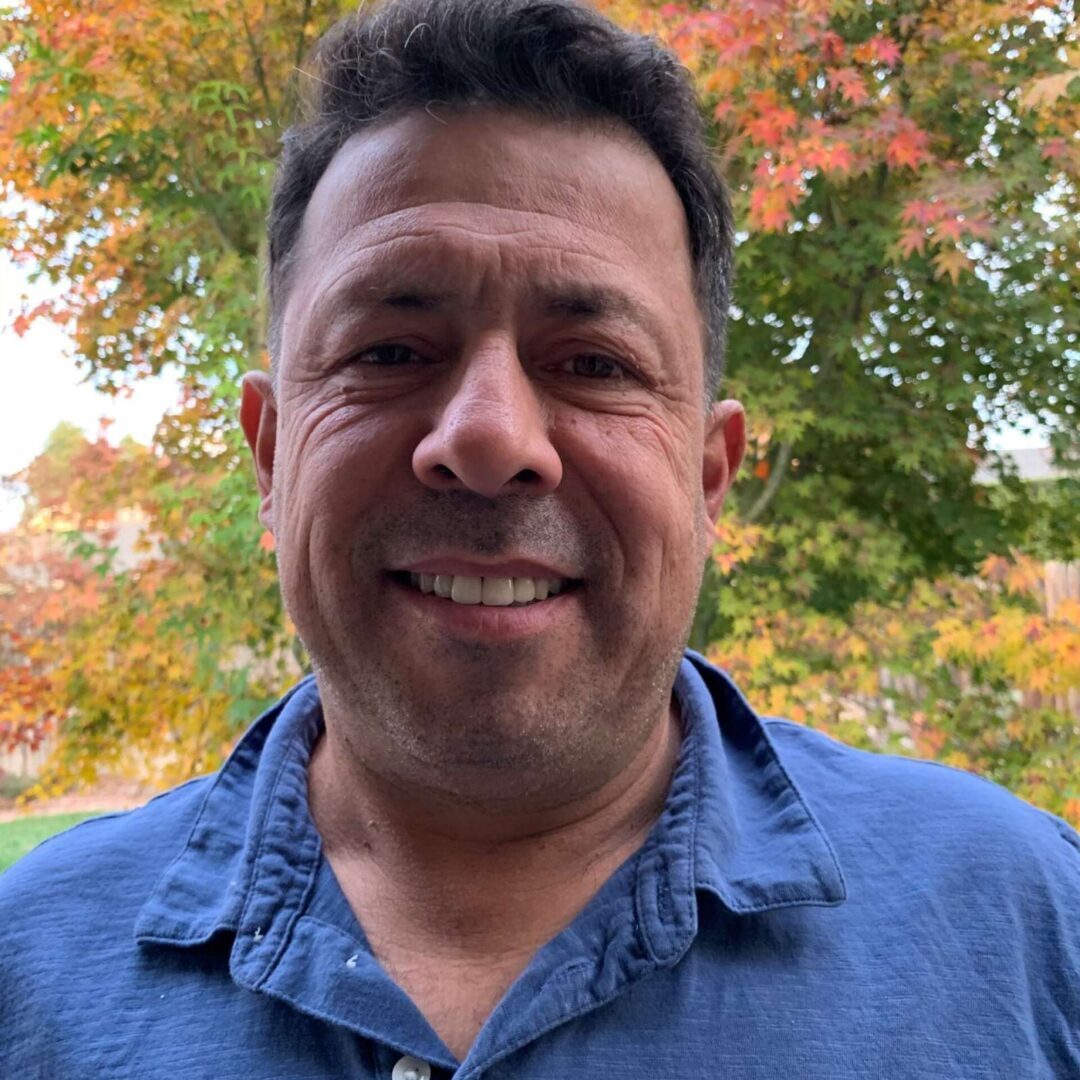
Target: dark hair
<point x="557" y="58"/>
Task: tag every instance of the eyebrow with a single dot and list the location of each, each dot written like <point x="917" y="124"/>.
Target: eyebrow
<point x="592" y="302"/>
<point x="574" y="301"/>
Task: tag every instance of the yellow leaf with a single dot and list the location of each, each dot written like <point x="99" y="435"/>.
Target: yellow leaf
<point x="1048" y="89"/>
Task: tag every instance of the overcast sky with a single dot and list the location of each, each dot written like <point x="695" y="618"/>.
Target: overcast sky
<point x="40" y="385"/>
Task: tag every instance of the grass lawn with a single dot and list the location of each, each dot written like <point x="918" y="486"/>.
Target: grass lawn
<point x="19" y="836"/>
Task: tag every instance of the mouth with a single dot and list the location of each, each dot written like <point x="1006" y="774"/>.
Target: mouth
<point x="504" y="592"/>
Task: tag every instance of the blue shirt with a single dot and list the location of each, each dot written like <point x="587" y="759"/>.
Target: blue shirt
<point x="800" y="910"/>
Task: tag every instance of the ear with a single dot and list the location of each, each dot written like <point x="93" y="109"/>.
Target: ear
<point x="725" y="445"/>
<point x="258" y="418"/>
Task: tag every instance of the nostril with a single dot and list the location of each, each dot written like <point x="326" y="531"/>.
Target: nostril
<point x="446" y="472"/>
<point x="528" y="476"/>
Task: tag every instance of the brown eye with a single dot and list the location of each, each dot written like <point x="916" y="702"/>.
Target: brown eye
<point x="592" y="366"/>
<point x="389" y="355"/>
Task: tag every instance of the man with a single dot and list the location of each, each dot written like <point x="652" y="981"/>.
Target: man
<point x="509" y="829"/>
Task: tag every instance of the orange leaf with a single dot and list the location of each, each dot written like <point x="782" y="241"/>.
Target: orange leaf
<point x="951" y="261"/>
<point x="908" y="148"/>
<point x="912" y="240"/>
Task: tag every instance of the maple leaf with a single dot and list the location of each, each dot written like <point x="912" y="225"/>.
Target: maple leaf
<point x="771" y="124"/>
<point x="912" y="240"/>
<point x="723" y="110"/>
<point x="949" y="229"/>
<point x="886" y="50"/>
<point x="1048" y="89"/>
<point x="836" y="157"/>
<point x="951" y="261"/>
<point x="1054" y="149"/>
<point x="850" y="84"/>
<point x="978" y="227"/>
<point x="789" y="174"/>
<point x="831" y="45"/>
<point x="764" y="169"/>
<point x="770" y="208"/>
<point x="919" y="212"/>
<point x="908" y="147"/>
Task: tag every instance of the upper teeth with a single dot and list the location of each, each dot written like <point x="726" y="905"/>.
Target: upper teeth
<point x="490" y="591"/>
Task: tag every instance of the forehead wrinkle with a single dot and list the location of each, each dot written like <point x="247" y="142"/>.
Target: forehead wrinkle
<point x="376" y="272"/>
<point x="479" y="223"/>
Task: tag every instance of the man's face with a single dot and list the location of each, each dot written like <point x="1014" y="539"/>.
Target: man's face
<point x="491" y="368"/>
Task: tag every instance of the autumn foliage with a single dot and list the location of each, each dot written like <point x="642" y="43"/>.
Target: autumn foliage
<point x="905" y="179"/>
<point x="126" y="629"/>
<point x="977" y="672"/>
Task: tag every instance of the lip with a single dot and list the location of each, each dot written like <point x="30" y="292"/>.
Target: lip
<point x="472" y="567"/>
<point x="492" y="625"/>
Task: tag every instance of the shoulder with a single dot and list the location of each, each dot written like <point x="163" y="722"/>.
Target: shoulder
<point x="936" y="820"/>
<point x="101" y="866"/>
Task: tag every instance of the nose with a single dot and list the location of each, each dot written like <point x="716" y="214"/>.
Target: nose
<point x="491" y="434"/>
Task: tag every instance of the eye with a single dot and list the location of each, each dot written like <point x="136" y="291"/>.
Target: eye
<point x="389" y="355"/>
<point x="595" y="366"/>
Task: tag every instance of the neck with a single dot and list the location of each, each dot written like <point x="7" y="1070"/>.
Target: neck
<point x="443" y="875"/>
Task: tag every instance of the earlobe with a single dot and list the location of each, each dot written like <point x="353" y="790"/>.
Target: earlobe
<point x="724" y="446"/>
<point x="258" y="418"/>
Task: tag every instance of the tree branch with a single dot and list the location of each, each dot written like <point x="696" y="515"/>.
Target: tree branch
<point x="298" y="59"/>
<point x="772" y="485"/>
<point x="260" y="74"/>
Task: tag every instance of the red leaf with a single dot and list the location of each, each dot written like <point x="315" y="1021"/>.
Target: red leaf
<point x="919" y="212"/>
<point x="909" y="147"/>
<point x="771" y="123"/>
<point x="770" y="208"/>
<point x="886" y="50"/>
<point x="949" y="229"/>
<point x="850" y="84"/>
<point x="1053" y="149"/>
<point x="832" y="46"/>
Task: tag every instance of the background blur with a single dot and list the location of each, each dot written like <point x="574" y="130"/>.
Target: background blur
<point x="898" y="564"/>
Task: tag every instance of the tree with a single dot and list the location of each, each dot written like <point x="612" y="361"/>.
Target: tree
<point x="964" y="670"/>
<point x="905" y="185"/>
<point x="119" y="627"/>
<point x="136" y="145"/>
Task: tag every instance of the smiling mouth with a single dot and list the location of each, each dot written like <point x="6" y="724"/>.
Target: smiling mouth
<point x="487" y="591"/>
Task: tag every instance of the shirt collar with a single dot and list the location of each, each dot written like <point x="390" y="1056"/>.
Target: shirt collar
<point x="207" y="888"/>
<point x="735" y="825"/>
<point x="758" y="844"/>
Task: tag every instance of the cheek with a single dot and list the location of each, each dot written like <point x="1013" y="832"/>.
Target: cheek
<point x="639" y="471"/>
<point x="336" y="459"/>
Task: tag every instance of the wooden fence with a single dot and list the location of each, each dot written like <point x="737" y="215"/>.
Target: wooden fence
<point x="1061" y="581"/>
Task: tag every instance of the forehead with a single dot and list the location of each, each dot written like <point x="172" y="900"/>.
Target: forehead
<point x="526" y="194"/>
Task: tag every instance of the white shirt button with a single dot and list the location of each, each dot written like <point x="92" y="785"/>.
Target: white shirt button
<point x="410" y="1068"/>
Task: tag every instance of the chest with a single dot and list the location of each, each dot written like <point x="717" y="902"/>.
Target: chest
<point x="456" y="998"/>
